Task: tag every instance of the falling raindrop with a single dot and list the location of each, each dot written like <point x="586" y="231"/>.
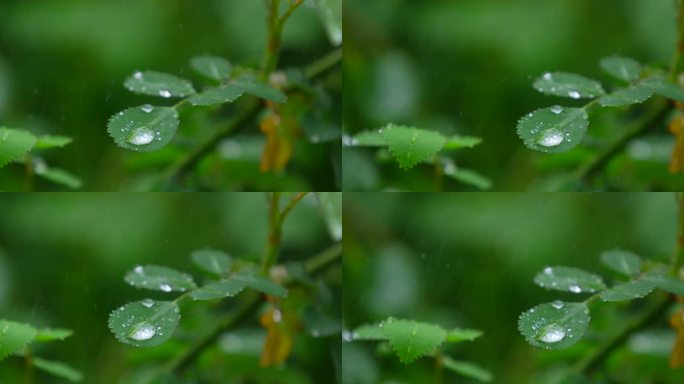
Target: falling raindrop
<point x="142" y="331"/>
<point x="551" y="138"/>
<point x="141" y="136"/>
<point x="552" y="334"/>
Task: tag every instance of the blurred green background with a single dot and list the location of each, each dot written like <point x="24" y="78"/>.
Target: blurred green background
<point x="63" y="258"/>
<point x="468" y="260"/>
<point x="63" y="64"/>
<point x="467" y="67"/>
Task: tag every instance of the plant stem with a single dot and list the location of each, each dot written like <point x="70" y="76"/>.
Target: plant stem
<point x="275" y="34"/>
<point x="678" y="61"/>
<point x="275" y="228"/>
<point x="234" y="319"/>
<point x="248" y="114"/>
<point x="323" y="259"/>
<point x="230" y="321"/>
<point x="587" y="171"/>
<point x="596" y="358"/>
<point x="678" y="257"/>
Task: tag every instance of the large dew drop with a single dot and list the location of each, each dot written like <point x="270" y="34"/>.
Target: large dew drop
<point x="164" y="93"/>
<point x="552" y="334"/>
<point x="142" y="331"/>
<point x="141" y="136"/>
<point x="165" y="288"/>
<point x="551" y="138"/>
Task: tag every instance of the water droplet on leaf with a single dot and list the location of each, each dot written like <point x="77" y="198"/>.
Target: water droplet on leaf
<point x="556" y="109"/>
<point x="164" y="93"/>
<point x="558" y="304"/>
<point x="165" y="287"/>
<point x="574" y="94"/>
<point x="552" y="334"/>
<point x="147" y="108"/>
<point x="551" y="138"/>
<point x="141" y="136"/>
<point x="142" y="331"/>
<point x="148" y="303"/>
<point x="575" y="288"/>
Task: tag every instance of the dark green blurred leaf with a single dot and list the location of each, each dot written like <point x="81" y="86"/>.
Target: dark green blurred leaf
<point x="467" y="369"/>
<point x="215" y="68"/>
<point x="58" y="369"/>
<point x="622" y="68"/>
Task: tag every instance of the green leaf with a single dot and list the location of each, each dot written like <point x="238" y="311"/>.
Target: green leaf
<point x="218" y="290"/>
<point x="145" y="128"/>
<point x="628" y="291"/>
<point x="467" y="176"/>
<point x="569" y="279"/>
<point x="624" y="262"/>
<point x="554" y="325"/>
<point x="264" y="91"/>
<point x="212" y="261"/>
<point x="159" y="279"/>
<point x="59" y="176"/>
<point x="368" y="139"/>
<point x="330" y="12"/>
<point x="411" y="340"/>
<point x="666" y="283"/>
<point x="215" y="68"/>
<point x="370" y="332"/>
<point x="217" y="95"/>
<point x="411" y="146"/>
<point x="555" y="129"/>
<point x="14" y="144"/>
<point x="159" y="84"/>
<point x="665" y="88"/>
<point x="626" y="96"/>
<point x="49" y="141"/>
<point x="50" y="334"/>
<point x="261" y="284"/>
<point x="467" y="369"/>
<point x="57" y="369"/>
<point x="14" y="337"/>
<point x="459" y="334"/>
<point x="457" y="142"/>
<point x="622" y="68"/>
<point x="330" y="204"/>
<point x="145" y="323"/>
<point x="568" y="85"/>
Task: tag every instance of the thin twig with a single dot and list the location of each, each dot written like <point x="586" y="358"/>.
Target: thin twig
<point x="586" y="172"/>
